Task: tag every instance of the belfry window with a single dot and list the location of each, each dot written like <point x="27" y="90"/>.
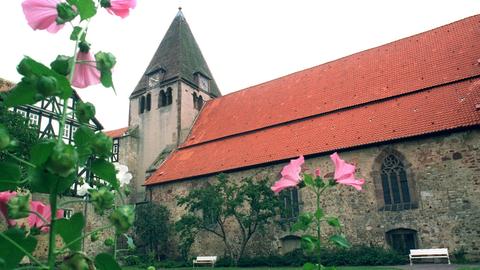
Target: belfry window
<point x="141" y="105"/>
<point x="402" y="240"/>
<point x="197" y="101"/>
<point x="149" y="102"/>
<point x="169" y="96"/>
<point x="289" y="204"/>
<point x="162" y="99"/>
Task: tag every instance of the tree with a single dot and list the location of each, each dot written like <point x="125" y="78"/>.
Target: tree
<point x="250" y="204"/>
<point x="18" y="127"/>
<point x="152" y="228"/>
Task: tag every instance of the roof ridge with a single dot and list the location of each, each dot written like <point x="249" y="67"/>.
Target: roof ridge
<point x="325" y="113"/>
<point x="343" y="57"/>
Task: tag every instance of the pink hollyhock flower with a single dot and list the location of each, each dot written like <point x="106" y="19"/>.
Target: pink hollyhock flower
<point x="41" y="14"/>
<point x="33" y="220"/>
<point x="44" y="210"/>
<point x="290" y="175"/>
<point x="85" y="73"/>
<point x="344" y="173"/>
<point x="121" y="8"/>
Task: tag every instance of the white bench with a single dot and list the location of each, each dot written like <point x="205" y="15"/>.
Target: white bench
<point x="429" y="254"/>
<point x="205" y="260"/>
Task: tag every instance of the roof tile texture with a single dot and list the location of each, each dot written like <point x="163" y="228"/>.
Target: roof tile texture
<point x="410" y="87"/>
<point x="116" y="133"/>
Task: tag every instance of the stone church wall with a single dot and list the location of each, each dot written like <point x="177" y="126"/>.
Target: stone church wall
<point x="444" y="177"/>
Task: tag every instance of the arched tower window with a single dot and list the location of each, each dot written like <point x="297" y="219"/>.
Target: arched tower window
<point x="162" y="99"/>
<point x="149" y="102"/>
<point x="169" y="96"/>
<point x="199" y="102"/>
<point x="402" y="240"/>
<point x="141" y="105"/>
<point x="194" y="95"/>
<point x="394" y="182"/>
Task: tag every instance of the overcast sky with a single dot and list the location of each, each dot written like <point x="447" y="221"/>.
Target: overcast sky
<point x="245" y="42"/>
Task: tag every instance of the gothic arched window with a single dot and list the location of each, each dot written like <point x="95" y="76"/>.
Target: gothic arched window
<point x="162" y="99"/>
<point x="394" y="183"/>
<point x="149" y="102"/>
<point x="289" y="204"/>
<point x="195" y="100"/>
<point x="141" y="105"/>
<point x="402" y="240"/>
<point x="169" y="96"/>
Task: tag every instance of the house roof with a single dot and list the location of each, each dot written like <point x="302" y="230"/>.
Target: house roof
<point x="116" y="133"/>
<point x="417" y="85"/>
<point x="5" y="85"/>
<point x="179" y="56"/>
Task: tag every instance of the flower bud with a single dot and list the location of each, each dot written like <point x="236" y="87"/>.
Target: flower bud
<point x="63" y="160"/>
<point x="102" y="199"/>
<point x="47" y="86"/>
<point x="4" y="138"/>
<point x="62" y="65"/>
<point x="77" y="261"/>
<point x="84" y="112"/>
<point x="108" y="242"/>
<point x="24" y="69"/>
<point x="84" y="46"/>
<point x="65" y="12"/>
<point x="122" y="218"/>
<point x="19" y="206"/>
<point x="94" y="237"/>
<point x="105" y="3"/>
<point x="102" y="145"/>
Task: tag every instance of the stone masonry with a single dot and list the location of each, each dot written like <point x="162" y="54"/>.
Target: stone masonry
<point x="444" y="176"/>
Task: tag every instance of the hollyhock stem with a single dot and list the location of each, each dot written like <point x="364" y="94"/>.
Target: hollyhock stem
<point x="51" y="241"/>
<point x="39" y="216"/>
<point x="20" y="160"/>
<point x="317" y="193"/>
<point x="23" y="250"/>
<point x="53" y="196"/>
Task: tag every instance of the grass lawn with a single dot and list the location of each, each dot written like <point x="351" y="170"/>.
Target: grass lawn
<point x="276" y="268"/>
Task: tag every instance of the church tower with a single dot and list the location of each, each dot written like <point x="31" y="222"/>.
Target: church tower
<point x="167" y="99"/>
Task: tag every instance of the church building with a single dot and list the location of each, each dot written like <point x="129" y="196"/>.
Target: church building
<point x="407" y="113"/>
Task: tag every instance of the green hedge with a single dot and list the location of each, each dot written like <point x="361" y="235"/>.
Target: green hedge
<point x="357" y="255"/>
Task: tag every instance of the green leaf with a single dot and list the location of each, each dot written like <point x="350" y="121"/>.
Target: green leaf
<point x="130" y="243"/>
<point x="83" y="139"/>
<point x="75" y="32"/>
<point x="303" y="222"/>
<point x="23" y="93"/>
<point x="38" y="69"/>
<point x="318" y="182"/>
<point x="66" y="13"/>
<point x="308" y="179"/>
<point x="10" y="176"/>
<point x="86" y="8"/>
<point x="319" y="213"/>
<point x="105" y="261"/>
<point x="339" y="240"/>
<point x="334" y="222"/>
<point x="44" y="182"/>
<point x="71" y="229"/>
<point x="106" y="171"/>
<point x="9" y="253"/>
<point x="309" y="242"/>
<point x="62" y="64"/>
<point x="41" y="152"/>
<point x="72" y="2"/>
<point x="105" y="60"/>
<point x="309" y="266"/>
<point x="106" y="79"/>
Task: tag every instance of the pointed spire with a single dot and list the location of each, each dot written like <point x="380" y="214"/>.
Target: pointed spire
<point x="179" y="56"/>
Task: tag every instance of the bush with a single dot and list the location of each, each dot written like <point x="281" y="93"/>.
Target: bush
<point x="357" y="255"/>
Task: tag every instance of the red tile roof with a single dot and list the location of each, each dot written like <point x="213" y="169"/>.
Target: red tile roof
<point x="5" y="85"/>
<point x="117" y="133"/>
<point x="410" y="87"/>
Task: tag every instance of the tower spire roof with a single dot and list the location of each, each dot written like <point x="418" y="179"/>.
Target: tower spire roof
<point x="179" y="57"/>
